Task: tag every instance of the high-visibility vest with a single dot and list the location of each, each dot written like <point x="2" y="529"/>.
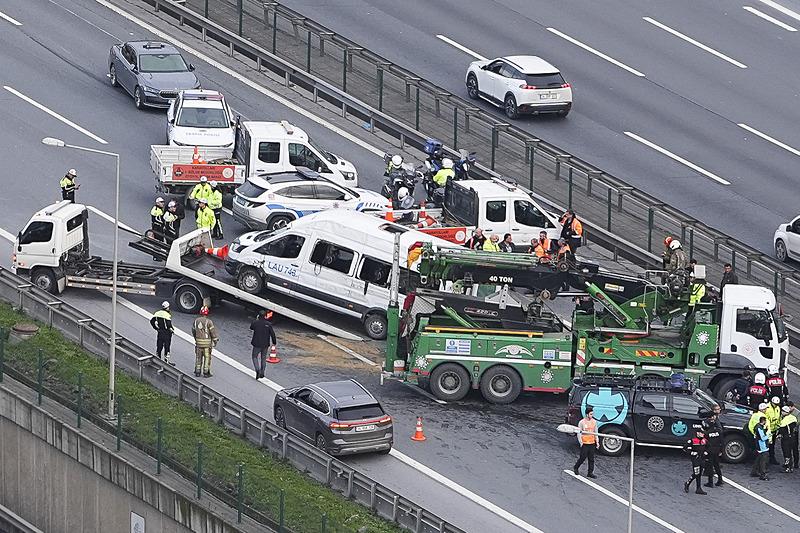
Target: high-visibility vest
<point x="67" y="183"/>
<point x="201" y="191"/>
<point x="563" y="251"/>
<point x="539" y="250"/>
<point x="788" y="420"/>
<point x="577" y="227"/>
<point x="440" y="178"/>
<point x="698" y="290"/>
<point x="205" y="218"/>
<point x="591" y="426"/>
<point x="215" y="199"/>
<point x="490" y="246"/>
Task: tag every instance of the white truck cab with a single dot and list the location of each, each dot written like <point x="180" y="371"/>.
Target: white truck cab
<point x="270" y="147"/>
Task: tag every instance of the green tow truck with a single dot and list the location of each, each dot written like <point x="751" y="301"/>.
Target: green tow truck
<point x="480" y="320"/>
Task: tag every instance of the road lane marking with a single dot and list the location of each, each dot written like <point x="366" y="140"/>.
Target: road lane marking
<point x="598" y="53"/>
<point x="793" y="369"/>
<point x="461" y="47"/>
<point x="768" y="18"/>
<point x="677" y="158"/>
<point x="12" y="20"/>
<point x="785" y="10"/>
<point x="108" y="217"/>
<point x="7" y="236"/>
<point x="763" y="500"/>
<point x="766" y="137"/>
<point x="347" y="350"/>
<point x="624" y="502"/>
<point x="53" y="114"/>
<point x="95" y="26"/>
<point x="242" y="79"/>
<point x="698" y="44"/>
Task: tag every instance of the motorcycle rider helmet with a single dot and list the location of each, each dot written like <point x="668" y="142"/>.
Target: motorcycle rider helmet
<point x="203" y="179"/>
<point x="674" y="245"/>
<point x="772" y="370"/>
<point x="204" y="310"/>
<point x="402" y="193"/>
<point x="213" y="183"/>
<point x="165" y="305"/>
<point x="72" y="172"/>
<point x="447" y="163"/>
<point x="775" y="400"/>
<point x="760" y="379"/>
<point x="786" y="409"/>
<point x="397" y="160"/>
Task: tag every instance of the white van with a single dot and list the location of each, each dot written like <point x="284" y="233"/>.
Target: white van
<point x="270" y="147"/>
<point x="337" y="259"/>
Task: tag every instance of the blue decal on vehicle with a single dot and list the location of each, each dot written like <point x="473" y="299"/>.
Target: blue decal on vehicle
<point x="742" y="410"/>
<point x="610" y="407"/>
<point x="679" y="428"/>
<point x="279" y="207"/>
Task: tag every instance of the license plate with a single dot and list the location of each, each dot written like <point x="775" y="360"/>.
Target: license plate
<point x="366" y="428"/>
<point x="548" y="96"/>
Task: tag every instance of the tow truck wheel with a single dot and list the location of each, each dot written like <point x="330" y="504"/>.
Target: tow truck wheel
<point x="375" y="325"/>
<point x="188" y="299"/>
<point x="250" y="280"/>
<point x="449" y="382"/>
<point x="735" y="449"/>
<point x="280" y="418"/>
<point x="45" y="279"/>
<point x="724" y="390"/>
<point x="501" y="384"/>
<point x="611" y="446"/>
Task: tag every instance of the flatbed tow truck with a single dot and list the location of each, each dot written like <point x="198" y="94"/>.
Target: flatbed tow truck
<point x="451" y="337"/>
<point x="53" y="249"/>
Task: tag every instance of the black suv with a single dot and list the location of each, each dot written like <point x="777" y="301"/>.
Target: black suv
<point x="655" y="413"/>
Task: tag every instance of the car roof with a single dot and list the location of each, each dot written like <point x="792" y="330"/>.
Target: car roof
<point x="531" y="64"/>
<point x="153" y="47"/>
<point x="301" y="175"/>
<point x="274" y="130"/>
<point x="345" y="393"/>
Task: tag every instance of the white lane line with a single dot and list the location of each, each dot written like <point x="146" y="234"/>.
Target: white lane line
<point x="108" y="217"/>
<point x="677" y="158"/>
<point x="698" y="44"/>
<point x="7" y="235"/>
<point x="766" y="137"/>
<point x="246" y="81"/>
<point x="598" y="53"/>
<point x="95" y="26"/>
<point x="624" y="502"/>
<point x="347" y="350"/>
<point x="762" y="499"/>
<point x="461" y="47"/>
<point x="768" y="18"/>
<point x="785" y="10"/>
<point x="53" y="114"/>
<point x="12" y="20"/>
<point x="793" y="369"/>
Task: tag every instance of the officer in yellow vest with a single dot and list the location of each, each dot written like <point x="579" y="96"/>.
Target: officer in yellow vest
<point x="215" y="204"/>
<point x="787" y="430"/>
<point x="201" y="191"/>
<point x="205" y="216"/>
<point x="68" y="185"/>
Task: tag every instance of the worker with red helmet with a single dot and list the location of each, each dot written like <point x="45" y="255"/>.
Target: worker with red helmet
<point x="205" y="338"/>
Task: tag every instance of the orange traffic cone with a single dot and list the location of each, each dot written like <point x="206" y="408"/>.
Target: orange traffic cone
<point x="419" y="436"/>
<point x="389" y="212"/>
<point x="273" y="355"/>
<point x="423" y="219"/>
<point x="221" y="253"/>
<point x="195" y="156"/>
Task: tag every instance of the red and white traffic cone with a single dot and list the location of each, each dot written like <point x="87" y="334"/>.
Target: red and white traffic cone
<point x="221" y="253"/>
<point x="419" y="436"/>
<point x="273" y="355"/>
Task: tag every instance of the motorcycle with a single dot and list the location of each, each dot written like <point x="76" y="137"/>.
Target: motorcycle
<point x="433" y="193"/>
<point x="396" y="178"/>
<point x="465" y="162"/>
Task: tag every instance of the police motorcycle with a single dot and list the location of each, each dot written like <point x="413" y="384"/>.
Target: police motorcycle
<point x="465" y="162"/>
<point x="398" y="174"/>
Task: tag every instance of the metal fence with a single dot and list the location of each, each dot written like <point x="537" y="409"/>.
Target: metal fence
<point x="95" y="337"/>
<point x="398" y="106"/>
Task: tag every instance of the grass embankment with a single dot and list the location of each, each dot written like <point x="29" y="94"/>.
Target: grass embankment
<point x="184" y="427"/>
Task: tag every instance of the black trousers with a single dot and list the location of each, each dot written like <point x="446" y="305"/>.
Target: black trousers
<point x="217" y="231"/>
<point x="713" y="467"/>
<point x="163" y="342"/>
<point x="760" y="465"/>
<point x="789" y="449"/>
<point x="587" y="452"/>
<point x="260" y="359"/>
<point x="772" y="458"/>
<point x="697" y="472"/>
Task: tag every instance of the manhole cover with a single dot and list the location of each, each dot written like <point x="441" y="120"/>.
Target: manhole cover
<point x="25" y="328"/>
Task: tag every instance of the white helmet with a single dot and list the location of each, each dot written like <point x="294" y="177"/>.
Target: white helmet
<point x="213" y="183"/>
<point x="172" y="204"/>
<point x="402" y="192"/>
<point x="776" y="400"/>
<point x="397" y="160"/>
<point x="72" y="172"/>
<point x="772" y="370"/>
<point x="203" y="179"/>
<point x="760" y="379"/>
<point x="165" y="305"/>
<point x="447" y="163"/>
<point x="675" y="244"/>
<point x="762" y="406"/>
<point x="159" y="200"/>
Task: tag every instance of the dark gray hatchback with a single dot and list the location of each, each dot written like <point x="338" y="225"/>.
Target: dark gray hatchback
<point x="340" y="417"/>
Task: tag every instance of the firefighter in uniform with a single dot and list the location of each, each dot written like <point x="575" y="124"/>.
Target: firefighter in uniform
<point x="714" y="437"/>
<point x="696" y="448"/>
<point x="162" y="323"/>
<point x="68" y="185"/>
<point x="776" y="385"/>
<point x="788" y="435"/>
<point x="205" y="338"/>
<point x="215" y="204"/>
<point x="757" y="393"/>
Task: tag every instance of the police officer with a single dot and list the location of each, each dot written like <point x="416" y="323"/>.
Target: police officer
<point x="162" y="323"/>
<point x="172" y="222"/>
<point x="696" y="448"/>
<point x="68" y="185"/>
<point x="776" y="385"/>
<point x="157" y="219"/>
<point x="713" y="430"/>
<point x="205" y="216"/>
<point x="787" y="431"/>
<point x="445" y="173"/>
<point x="395" y="163"/>
<point x="215" y="204"/>
<point x="201" y="191"/>
<point x="757" y="393"/>
<point x="773" y="414"/>
<point x="740" y="387"/>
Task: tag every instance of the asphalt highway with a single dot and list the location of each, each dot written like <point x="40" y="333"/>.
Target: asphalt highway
<point x="485" y="468"/>
<point x="712" y="83"/>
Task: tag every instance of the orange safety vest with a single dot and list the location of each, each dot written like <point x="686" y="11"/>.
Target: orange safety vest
<point x="589" y="426"/>
<point x="563" y="251"/>
<point x="577" y="227"/>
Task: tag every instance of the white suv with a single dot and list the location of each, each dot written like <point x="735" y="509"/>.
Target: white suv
<point x="200" y="118"/>
<point x="787" y="240"/>
<point x="273" y="200"/>
<point x="521" y="85"/>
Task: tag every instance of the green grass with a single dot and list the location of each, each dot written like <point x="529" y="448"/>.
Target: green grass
<point x="184" y="427"/>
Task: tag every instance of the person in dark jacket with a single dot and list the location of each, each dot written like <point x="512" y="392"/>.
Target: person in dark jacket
<point x="728" y="276"/>
<point x="714" y="431"/>
<point x="787" y="431"/>
<point x="476" y="241"/>
<point x="740" y="388"/>
<point x="263" y="340"/>
<point x="696" y="448"/>
<point x="162" y="323"/>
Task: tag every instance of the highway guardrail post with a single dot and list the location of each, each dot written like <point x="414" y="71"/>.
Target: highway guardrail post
<point x="621" y="194"/>
<point x="380" y="88"/>
<point x="775" y="283"/>
<point x="569" y="189"/>
<point x="199" y="469"/>
<point x="2" y="353"/>
<point x="455" y="128"/>
<point x="530" y="152"/>
<point x="416" y="110"/>
<point x="274" y="28"/>
<point x="281" y="516"/>
<point x="205" y="9"/>
<point x="691" y="241"/>
<point x="324" y="527"/>
<point x="590" y="177"/>
<point x="344" y="69"/>
<point x="80" y="398"/>
<point x="308" y="51"/>
<point x="494" y="144"/>
<point x="240" y="10"/>
<point x="650" y="217"/>
<point x="240" y="495"/>
<point x="608" y="205"/>
<point x="119" y="422"/>
<point x="39" y="377"/>
<point x="733" y="260"/>
<point x="159" y="441"/>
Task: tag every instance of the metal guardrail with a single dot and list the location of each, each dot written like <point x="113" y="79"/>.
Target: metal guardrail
<point x="368" y="88"/>
<point x="95" y="337"/>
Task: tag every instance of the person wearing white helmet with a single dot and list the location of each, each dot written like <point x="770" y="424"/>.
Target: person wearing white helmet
<point x="788" y="434"/>
<point x="215" y="204"/>
<point x="201" y="191"/>
<point x="205" y="216"/>
<point x="678" y="260"/>
<point x="757" y="393"/>
<point x="776" y="385"/>
<point x="406" y="200"/>
<point x="69" y="186"/>
<point x="445" y="173"/>
<point x="172" y="222"/>
<point x="157" y="222"/>
<point x="773" y="414"/>
<point x="395" y="163"/>
<point x="162" y="323"/>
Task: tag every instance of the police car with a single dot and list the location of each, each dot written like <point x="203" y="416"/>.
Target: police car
<point x="272" y="201"/>
<point x="656" y="412"/>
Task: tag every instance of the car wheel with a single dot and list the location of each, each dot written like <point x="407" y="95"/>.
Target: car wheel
<point x="610" y="445"/>
<point x="45" y="279"/>
<point x="449" y="382"/>
<point x="250" y="280"/>
<point x="320" y="443"/>
<point x="137" y="98"/>
<point x="375" y="325"/>
<point x="780" y="251"/>
<point x="112" y="76"/>
<point x="563" y="114"/>
<point x="188" y="299"/>
<point x="280" y="418"/>
<point x="510" y="107"/>
<point x="735" y="450"/>
<point x="472" y="87"/>
<point x="501" y="384"/>
<point x="278" y="222"/>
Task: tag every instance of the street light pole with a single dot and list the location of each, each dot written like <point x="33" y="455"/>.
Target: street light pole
<point x="575" y="430"/>
<point x="112" y="354"/>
